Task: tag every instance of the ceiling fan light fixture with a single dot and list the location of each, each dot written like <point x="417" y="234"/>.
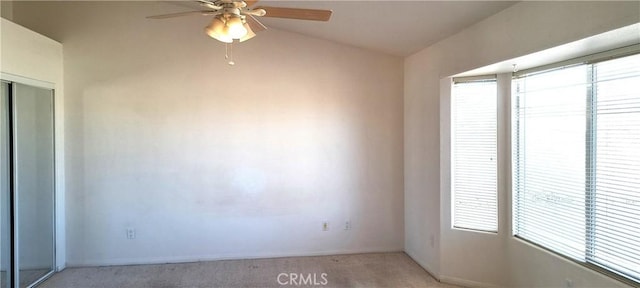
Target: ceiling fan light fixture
<point x="235" y="28"/>
<point x="250" y="34"/>
<point x="234" y="19"/>
<point x="217" y="30"/>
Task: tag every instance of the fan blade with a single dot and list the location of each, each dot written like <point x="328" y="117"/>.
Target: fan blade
<point x="254" y="12"/>
<point x="188" y="13"/>
<point x="251" y="2"/>
<point x="255" y="25"/>
<point x="209" y="4"/>
<point x="295" y="13"/>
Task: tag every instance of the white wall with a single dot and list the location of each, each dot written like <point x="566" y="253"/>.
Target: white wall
<point x="421" y="178"/>
<point x="25" y="56"/>
<point x="209" y="161"/>
<point x="469" y="258"/>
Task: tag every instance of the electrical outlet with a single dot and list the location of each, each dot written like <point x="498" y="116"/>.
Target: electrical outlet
<point x="131" y="233"/>
<point x="347" y="225"/>
<point x="432" y="241"/>
<point x="325" y="226"/>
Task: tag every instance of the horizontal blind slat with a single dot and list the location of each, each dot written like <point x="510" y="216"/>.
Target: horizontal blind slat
<point x="474" y="155"/>
<point x="573" y="192"/>
<point x="616" y="208"/>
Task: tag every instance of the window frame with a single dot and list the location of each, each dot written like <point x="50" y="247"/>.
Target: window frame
<point x="475" y="79"/>
<point x="589" y="157"/>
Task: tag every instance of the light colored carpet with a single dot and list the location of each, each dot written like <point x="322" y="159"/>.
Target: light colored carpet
<point x="357" y="270"/>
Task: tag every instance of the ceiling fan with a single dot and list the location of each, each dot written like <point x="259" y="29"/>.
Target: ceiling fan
<point x="235" y="19"/>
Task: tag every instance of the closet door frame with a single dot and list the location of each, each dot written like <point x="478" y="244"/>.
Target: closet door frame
<point x="13" y="199"/>
<point x="10" y="274"/>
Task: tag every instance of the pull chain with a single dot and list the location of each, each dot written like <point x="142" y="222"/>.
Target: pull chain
<point x="228" y="53"/>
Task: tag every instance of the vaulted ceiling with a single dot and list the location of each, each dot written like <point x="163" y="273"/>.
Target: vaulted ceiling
<point x="394" y="27"/>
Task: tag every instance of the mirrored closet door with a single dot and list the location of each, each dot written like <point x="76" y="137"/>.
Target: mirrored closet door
<point x="27" y="185"/>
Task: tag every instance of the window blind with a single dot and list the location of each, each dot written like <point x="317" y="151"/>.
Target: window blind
<point x="549" y="166"/>
<point x="576" y="162"/>
<point x="615" y="211"/>
<point x="474" y="155"/>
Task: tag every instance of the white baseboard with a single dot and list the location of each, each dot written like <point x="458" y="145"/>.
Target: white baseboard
<point x="424" y="266"/>
<point x="187" y="259"/>
<point x="448" y="279"/>
<point x="465" y="282"/>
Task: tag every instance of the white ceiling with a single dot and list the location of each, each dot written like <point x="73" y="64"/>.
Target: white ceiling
<point x="395" y="27"/>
